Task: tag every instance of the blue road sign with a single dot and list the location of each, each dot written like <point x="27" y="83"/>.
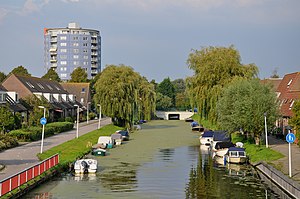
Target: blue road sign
<point x="43" y="121"/>
<point x="290" y="137"/>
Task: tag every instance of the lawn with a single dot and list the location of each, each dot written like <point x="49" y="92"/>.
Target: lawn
<point x="77" y="148"/>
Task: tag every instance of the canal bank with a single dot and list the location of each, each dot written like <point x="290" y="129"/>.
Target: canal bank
<point x="163" y="160"/>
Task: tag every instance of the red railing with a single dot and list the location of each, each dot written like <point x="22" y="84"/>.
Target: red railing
<point x="24" y="176"/>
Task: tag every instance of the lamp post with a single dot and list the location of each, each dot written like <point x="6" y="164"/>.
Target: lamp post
<point x="99" y="115"/>
<point x="87" y="112"/>
<point x="77" y="125"/>
<point x="266" y="129"/>
<point x="43" y="121"/>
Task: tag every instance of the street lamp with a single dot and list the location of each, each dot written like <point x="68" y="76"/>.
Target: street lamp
<point x="87" y="112"/>
<point x="43" y="121"/>
<point x="99" y="115"/>
<point x="77" y="125"/>
<point x="266" y="129"/>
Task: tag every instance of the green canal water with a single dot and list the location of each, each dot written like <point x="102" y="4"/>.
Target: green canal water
<point x="163" y="160"/>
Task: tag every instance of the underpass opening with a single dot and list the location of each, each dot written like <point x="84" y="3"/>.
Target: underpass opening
<point x="173" y="116"/>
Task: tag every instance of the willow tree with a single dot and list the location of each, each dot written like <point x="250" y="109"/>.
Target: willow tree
<point x="123" y="94"/>
<point x="214" y="68"/>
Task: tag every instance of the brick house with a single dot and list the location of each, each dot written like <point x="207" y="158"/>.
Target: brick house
<point x="288" y="91"/>
<point x="62" y="103"/>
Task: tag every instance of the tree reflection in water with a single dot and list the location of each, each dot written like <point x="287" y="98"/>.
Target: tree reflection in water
<point x="120" y="178"/>
<point x="207" y="180"/>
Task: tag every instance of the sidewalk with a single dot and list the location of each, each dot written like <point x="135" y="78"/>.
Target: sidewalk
<point x="24" y="156"/>
<point x="283" y="147"/>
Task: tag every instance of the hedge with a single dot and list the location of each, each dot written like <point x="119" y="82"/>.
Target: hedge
<point x="35" y="133"/>
<point x="7" y="142"/>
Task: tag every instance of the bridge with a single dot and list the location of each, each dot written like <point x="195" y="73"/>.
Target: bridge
<point x="174" y="115"/>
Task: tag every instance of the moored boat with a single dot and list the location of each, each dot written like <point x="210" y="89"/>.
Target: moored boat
<point x="220" y="148"/>
<point x="85" y="166"/>
<point x="236" y="155"/>
<point x="207" y="137"/>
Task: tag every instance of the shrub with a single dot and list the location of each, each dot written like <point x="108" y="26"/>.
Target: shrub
<point x="69" y="119"/>
<point x="92" y="115"/>
<point x="7" y="141"/>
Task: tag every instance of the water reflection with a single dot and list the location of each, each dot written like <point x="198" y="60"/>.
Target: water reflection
<point x="185" y="172"/>
<point x="120" y="178"/>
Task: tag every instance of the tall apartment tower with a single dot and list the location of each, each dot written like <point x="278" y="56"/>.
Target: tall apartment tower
<point x="66" y="49"/>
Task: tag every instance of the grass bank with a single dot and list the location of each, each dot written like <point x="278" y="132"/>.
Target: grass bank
<point x="255" y="152"/>
<point x="78" y="147"/>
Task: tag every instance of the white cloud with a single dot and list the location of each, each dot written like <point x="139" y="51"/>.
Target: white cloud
<point x="3" y="13"/>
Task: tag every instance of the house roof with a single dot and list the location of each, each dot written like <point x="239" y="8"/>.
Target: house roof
<point x="289" y="91"/>
<point x="80" y="90"/>
<point x="274" y="82"/>
<point x="39" y="85"/>
<point x="2" y="88"/>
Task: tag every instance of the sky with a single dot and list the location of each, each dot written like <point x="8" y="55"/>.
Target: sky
<point x="155" y="37"/>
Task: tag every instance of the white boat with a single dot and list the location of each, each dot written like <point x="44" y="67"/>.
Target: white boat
<point x="220" y="148"/>
<point x="85" y="166"/>
<point x="107" y="141"/>
<point x="207" y="137"/>
<point x="236" y="155"/>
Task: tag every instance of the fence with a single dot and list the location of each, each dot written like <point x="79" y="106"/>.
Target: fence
<point x="287" y="184"/>
<point x="24" y="176"/>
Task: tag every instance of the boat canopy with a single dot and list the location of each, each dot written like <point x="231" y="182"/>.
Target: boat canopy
<point x="235" y="149"/>
<point x="222" y="145"/>
<point x="208" y="134"/>
<point x="193" y="124"/>
<point x="221" y="136"/>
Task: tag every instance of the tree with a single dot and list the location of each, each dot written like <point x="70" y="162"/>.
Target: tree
<point x="20" y="70"/>
<point x="243" y="104"/>
<point x="6" y="119"/>
<point x="167" y="88"/>
<point x="79" y="75"/>
<point x="295" y="120"/>
<point x="123" y="94"/>
<point x="32" y="104"/>
<point x="51" y="75"/>
<point x="2" y="77"/>
<point x="163" y="102"/>
<point x="214" y="68"/>
<point x="179" y="85"/>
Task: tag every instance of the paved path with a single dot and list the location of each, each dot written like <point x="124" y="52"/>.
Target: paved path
<point x="283" y="147"/>
<point x="24" y="156"/>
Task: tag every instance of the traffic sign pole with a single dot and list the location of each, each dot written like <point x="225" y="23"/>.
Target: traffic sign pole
<point x="290" y="138"/>
<point x="290" y="161"/>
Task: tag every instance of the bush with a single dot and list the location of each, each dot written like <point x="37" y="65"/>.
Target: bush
<point x="7" y="142"/>
<point x="92" y="115"/>
<point x="35" y="133"/>
<point x="69" y="119"/>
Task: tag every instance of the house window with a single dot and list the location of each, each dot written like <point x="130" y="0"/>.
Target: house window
<point x="75" y="50"/>
<point x="40" y="85"/>
<point x="76" y="63"/>
<point x="85" y="57"/>
<point x="84" y="38"/>
<point x="291" y="104"/>
<point x="288" y="85"/>
<point x="29" y="84"/>
<point x="63" y="75"/>
<point x="63" y="56"/>
<point x="75" y="56"/>
<point x="2" y="97"/>
<point x="63" y="50"/>
<point x="81" y="100"/>
<point x="83" y="90"/>
<point x="75" y="38"/>
<point x="85" y="50"/>
<point x="63" y="62"/>
<point x="63" y="44"/>
<point x="63" y="38"/>
<point x="85" y="44"/>
<point x="75" y="44"/>
<point x="49" y="87"/>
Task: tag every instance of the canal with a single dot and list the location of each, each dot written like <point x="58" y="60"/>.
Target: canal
<point x="163" y="160"/>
